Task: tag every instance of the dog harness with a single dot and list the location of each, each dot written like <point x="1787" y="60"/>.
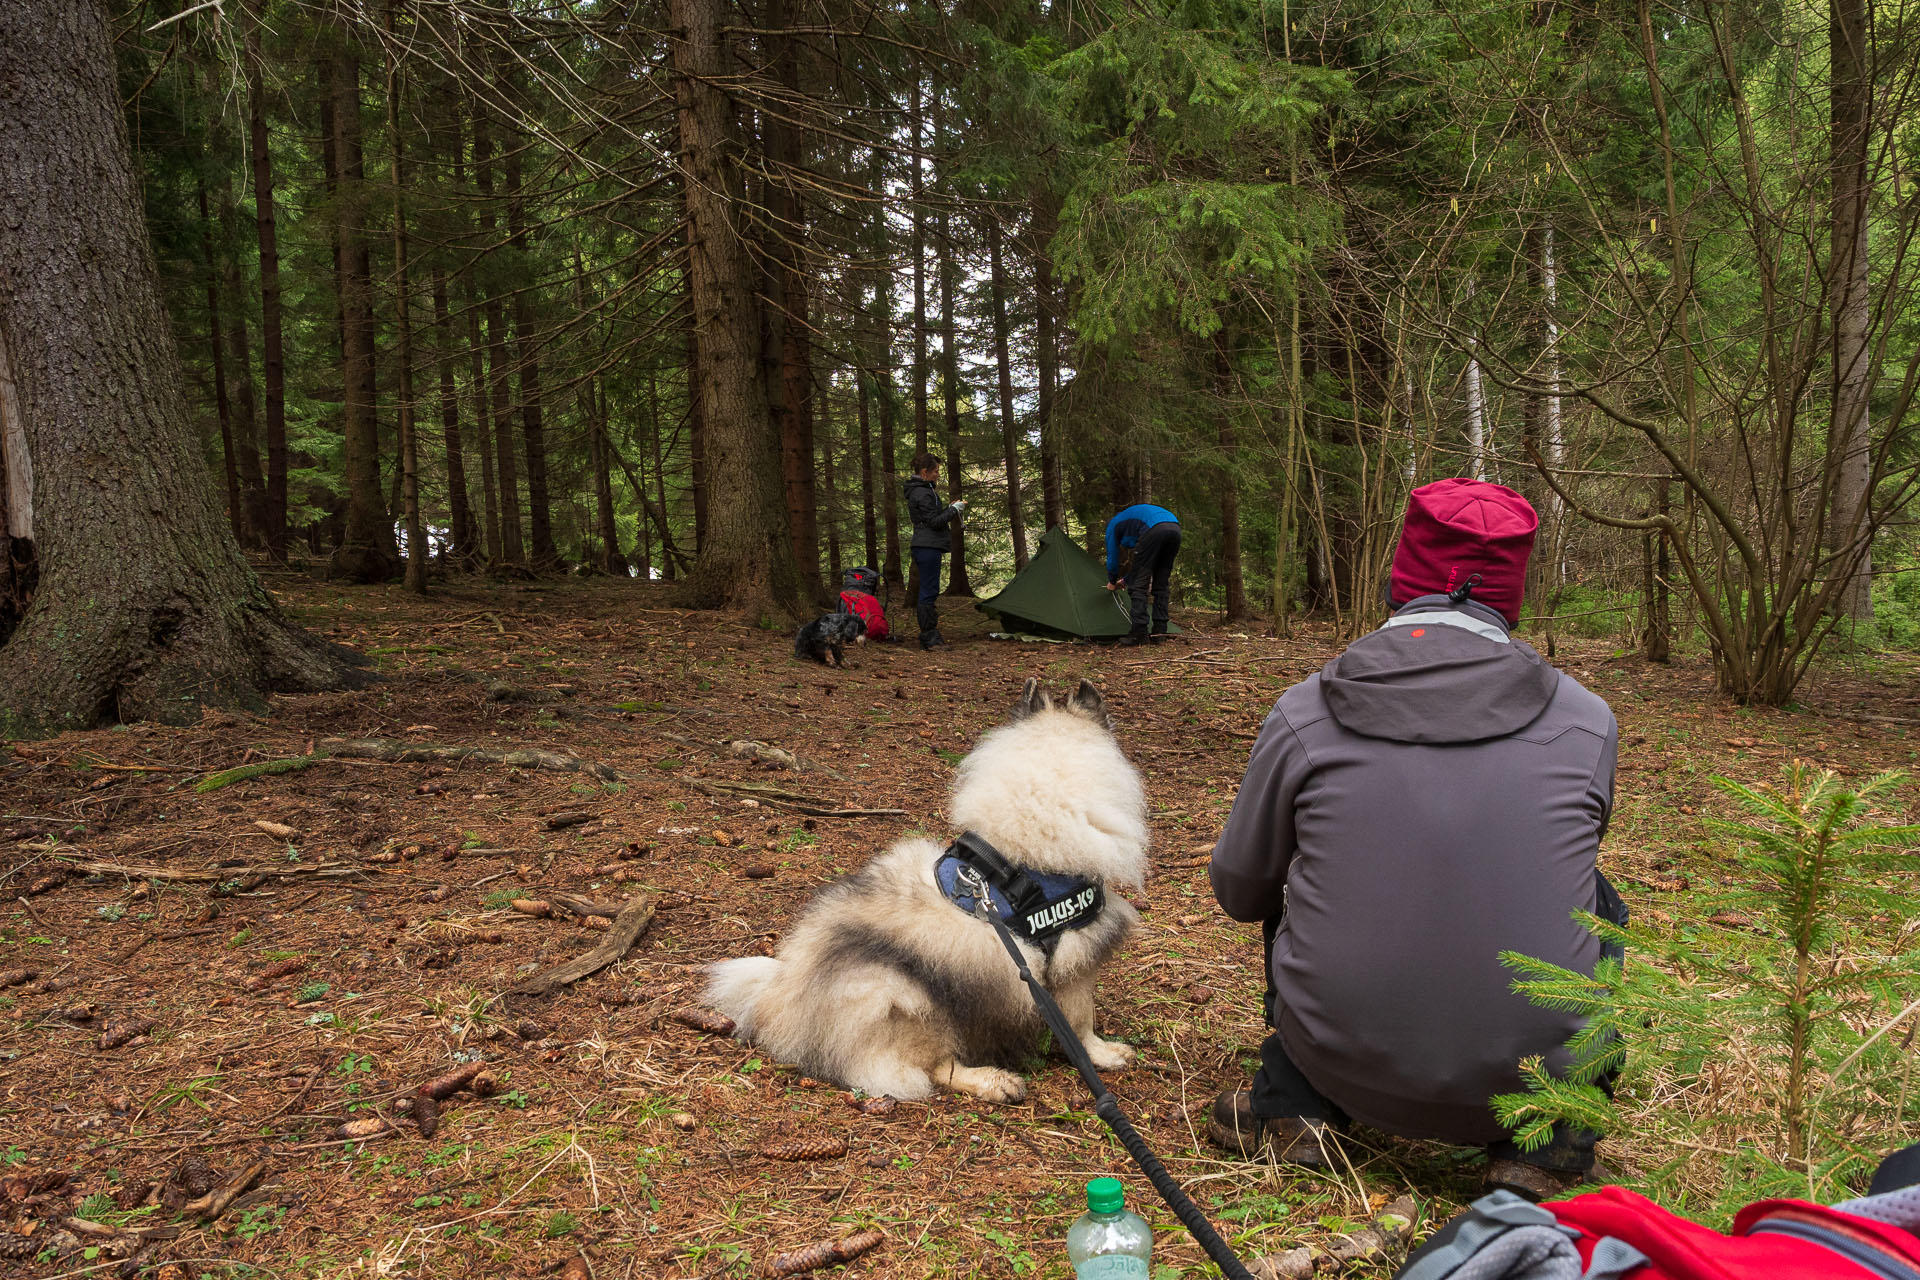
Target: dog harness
<point x="1036" y="905"/>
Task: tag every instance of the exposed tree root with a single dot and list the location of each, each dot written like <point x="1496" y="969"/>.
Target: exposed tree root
<point x="413" y="752"/>
<point x="627" y="928"/>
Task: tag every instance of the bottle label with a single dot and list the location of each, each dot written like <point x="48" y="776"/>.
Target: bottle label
<point x="1112" y="1266"/>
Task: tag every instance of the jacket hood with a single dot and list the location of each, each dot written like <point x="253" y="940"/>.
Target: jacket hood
<point x="919" y="482"/>
<point x="1438" y="683"/>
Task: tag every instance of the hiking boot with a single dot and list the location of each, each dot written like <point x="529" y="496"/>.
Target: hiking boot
<point x="934" y="641"/>
<point x="1132" y="640"/>
<point x="1292" y="1140"/>
<point x="1535" y="1182"/>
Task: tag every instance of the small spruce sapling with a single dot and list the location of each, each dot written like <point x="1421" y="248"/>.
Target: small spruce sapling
<point x="1779" y="1034"/>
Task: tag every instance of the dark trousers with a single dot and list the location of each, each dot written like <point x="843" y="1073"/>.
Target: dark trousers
<point x="1279" y="1088"/>
<point x="926" y="561"/>
<point x="1152" y="569"/>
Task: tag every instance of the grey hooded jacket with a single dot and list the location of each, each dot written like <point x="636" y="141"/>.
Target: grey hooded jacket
<point x="1435" y="796"/>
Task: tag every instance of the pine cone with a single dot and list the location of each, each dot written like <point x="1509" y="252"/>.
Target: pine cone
<point x="441" y="1087"/>
<point x="14" y="977"/>
<point x="118" y="1033"/>
<point x="703" y="1020"/>
<point x="426" y="1113"/>
<point x="827" y="1253"/>
<point x="372" y="1127"/>
<point x="822" y="1147"/>
<point x="884" y="1105"/>
<point x="273" y="973"/>
<point x="16" y="1248"/>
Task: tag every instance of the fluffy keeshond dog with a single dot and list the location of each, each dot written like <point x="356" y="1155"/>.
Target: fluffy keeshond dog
<point x="887" y="986"/>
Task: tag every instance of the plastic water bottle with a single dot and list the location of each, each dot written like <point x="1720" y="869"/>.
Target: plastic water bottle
<point x="1107" y="1241"/>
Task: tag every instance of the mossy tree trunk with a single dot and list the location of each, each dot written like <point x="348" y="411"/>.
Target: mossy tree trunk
<point x="144" y="607"/>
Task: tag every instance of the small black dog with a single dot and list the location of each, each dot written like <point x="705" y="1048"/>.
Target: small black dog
<point x="829" y="633"/>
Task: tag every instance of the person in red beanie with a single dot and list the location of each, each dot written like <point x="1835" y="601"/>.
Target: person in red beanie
<point x="1433" y="797"/>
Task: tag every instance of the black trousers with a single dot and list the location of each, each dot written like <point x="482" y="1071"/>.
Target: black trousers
<point x="1152" y="570"/>
<point x="926" y="607"/>
<point x="1279" y="1088"/>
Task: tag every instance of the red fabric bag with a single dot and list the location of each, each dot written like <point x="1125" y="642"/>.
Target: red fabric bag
<point x="868" y="610"/>
<point x="1771" y="1240"/>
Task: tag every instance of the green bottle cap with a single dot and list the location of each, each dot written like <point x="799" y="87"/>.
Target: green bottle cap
<point x="1106" y="1195"/>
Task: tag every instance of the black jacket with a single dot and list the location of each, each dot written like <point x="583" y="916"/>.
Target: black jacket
<point x="931" y="517"/>
<point x="1432" y="798"/>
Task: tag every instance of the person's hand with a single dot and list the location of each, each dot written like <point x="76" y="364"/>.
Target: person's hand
<point x="1113" y="586"/>
<point x="959" y="504"/>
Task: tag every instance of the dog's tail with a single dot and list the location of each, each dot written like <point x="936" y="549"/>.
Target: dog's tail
<point x="734" y="986"/>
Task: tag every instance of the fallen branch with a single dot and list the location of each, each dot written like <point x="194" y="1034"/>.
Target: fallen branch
<point x="141" y="871"/>
<point x="627" y="928"/>
<point x="814" y="806"/>
<point x="227" y="777"/>
<point x="217" y="1201"/>
<point x="416" y="753"/>
<point x="585" y="906"/>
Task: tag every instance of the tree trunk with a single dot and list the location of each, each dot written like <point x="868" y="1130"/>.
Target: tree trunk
<point x="1234" y="584"/>
<point x="222" y="405"/>
<point x="482" y="417"/>
<point x="512" y="546"/>
<point x="867" y="529"/>
<point x="246" y="422"/>
<point x="1053" y="501"/>
<point x="144" y="606"/>
<point x="786" y="238"/>
<point x="417" y="549"/>
<point x="365" y="552"/>
<point x="526" y="336"/>
<point x="273" y="359"/>
<point x="916" y="189"/>
<point x="18" y="570"/>
<point x="600" y="448"/>
<point x="465" y="537"/>
<point x="830" y="483"/>
<point x="1850" y="447"/>
<point x="1476" y="409"/>
<point x="1656" y="638"/>
<point x="696" y="435"/>
<point x="957" y="581"/>
<point x="670" y="555"/>
<point x="1009" y="433"/>
<point x="746" y="562"/>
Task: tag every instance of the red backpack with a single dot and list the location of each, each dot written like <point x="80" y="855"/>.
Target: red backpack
<point x="1614" y="1234"/>
<point x="868" y="610"/>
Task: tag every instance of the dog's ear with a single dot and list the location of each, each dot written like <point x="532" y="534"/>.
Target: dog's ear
<point x="1033" y="700"/>
<point x="1086" y="701"/>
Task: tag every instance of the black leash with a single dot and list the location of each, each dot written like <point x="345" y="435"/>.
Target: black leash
<point x="1108" y="1110"/>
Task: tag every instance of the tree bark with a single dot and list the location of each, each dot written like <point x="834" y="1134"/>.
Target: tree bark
<point x="917" y="192"/>
<point x="222" y="405"/>
<point x="506" y="474"/>
<point x="1009" y="431"/>
<point x="417" y="549"/>
<point x="1233" y="583"/>
<point x="869" y="533"/>
<point x="145" y="608"/>
<point x="1053" y="500"/>
<point x="465" y="540"/>
<point x="366" y="552"/>
<point x="246" y="421"/>
<point x="526" y="336"/>
<point x="746" y="561"/>
<point x="482" y="418"/>
<point x="273" y="361"/>
<point x="1850" y="446"/>
<point x="958" y="584"/>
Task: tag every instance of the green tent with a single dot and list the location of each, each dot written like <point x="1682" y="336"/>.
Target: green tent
<point x="1062" y="591"/>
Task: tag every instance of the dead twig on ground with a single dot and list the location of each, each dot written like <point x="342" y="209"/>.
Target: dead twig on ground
<point x="417" y="753"/>
<point x="627" y="928"/>
<point x="813" y="806"/>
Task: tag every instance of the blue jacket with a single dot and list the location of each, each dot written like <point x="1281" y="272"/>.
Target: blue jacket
<point x="1125" y="529"/>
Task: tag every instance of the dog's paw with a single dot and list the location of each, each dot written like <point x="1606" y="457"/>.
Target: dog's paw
<point x="988" y="1084"/>
<point x="1109" y="1055"/>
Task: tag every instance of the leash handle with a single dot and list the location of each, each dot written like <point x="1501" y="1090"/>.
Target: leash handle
<point x="1108" y="1109"/>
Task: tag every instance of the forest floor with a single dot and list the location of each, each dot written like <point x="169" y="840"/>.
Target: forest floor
<point x="294" y="982"/>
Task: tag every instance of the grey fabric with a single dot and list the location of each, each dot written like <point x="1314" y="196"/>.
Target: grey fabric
<point x="1612" y="1258"/>
<point x="1453" y="618"/>
<point x="931" y="517"/>
<point x="1437" y="683"/>
<point x="1899" y="1208"/>
<point x="1406" y="852"/>
<point x="1500" y="1235"/>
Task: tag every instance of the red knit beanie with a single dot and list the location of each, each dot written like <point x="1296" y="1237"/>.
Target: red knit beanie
<point x="1457" y="528"/>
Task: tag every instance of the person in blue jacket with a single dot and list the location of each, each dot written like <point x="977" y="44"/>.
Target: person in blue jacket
<point x="1153" y="533"/>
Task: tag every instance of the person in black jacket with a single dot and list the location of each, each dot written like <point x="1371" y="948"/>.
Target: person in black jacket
<point x="931" y="540"/>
